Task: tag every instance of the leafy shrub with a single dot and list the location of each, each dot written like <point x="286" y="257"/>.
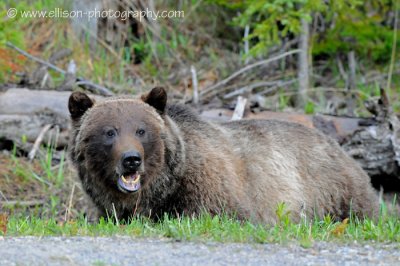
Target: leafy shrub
<point x="337" y="25"/>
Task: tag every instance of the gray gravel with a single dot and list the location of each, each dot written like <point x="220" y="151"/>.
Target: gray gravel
<point x="132" y="251"/>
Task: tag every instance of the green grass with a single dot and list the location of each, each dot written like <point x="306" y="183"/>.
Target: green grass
<point x="217" y="228"/>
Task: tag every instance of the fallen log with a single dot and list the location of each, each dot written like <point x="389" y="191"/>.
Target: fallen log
<point x="24" y="113"/>
<point x="373" y="142"/>
<point x="335" y="126"/>
<point x="376" y="146"/>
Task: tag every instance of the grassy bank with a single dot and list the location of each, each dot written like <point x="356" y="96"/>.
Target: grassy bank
<point x="220" y="229"/>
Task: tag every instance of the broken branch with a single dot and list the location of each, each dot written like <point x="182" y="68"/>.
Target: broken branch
<point x="38" y="140"/>
<point x="247" y="68"/>
<point x="238" y="113"/>
<point x="195" y="85"/>
<point x="83" y="83"/>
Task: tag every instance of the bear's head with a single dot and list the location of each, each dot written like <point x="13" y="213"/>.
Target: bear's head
<point x="119" y="141"/>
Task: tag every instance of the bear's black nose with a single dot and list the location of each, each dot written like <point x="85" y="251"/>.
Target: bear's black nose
<point x="131" y="160"/>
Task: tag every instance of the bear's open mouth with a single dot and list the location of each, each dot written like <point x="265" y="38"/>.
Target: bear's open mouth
<point x="129" y="182"/>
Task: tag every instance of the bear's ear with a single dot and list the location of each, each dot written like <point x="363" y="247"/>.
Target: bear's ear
<point x="156" y="98"/>
<point x="78" y="104"/>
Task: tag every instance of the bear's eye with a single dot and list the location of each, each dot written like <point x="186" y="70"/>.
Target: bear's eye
<point x="140" y="132"/>
<point x="111" y="133"/>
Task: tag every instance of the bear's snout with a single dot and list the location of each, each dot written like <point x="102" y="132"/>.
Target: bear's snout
<point x="131" y="161"/>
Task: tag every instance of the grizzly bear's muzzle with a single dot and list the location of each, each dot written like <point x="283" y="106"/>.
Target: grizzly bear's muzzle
<point x="129" y="173"/>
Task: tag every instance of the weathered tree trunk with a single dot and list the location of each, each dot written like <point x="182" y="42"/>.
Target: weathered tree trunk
<point x="303" y="66"/>
<point x="352" y="83"/>
<point x="86" y="28"/>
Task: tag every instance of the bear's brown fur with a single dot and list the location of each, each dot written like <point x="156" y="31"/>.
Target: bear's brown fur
<point x="186" y="165"/>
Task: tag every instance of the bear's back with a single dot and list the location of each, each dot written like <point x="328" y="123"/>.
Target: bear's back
<point x="283" y="162"/>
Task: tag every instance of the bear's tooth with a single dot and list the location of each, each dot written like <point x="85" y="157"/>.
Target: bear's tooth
<point x="137" y="180"/>
<point x="123" y="179"/>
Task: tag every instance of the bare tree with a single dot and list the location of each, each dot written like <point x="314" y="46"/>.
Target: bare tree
<point x="303" y="66"/>
<point x="351" y="84"/>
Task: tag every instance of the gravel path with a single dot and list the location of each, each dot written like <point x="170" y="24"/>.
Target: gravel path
<point x="130" y="251"/>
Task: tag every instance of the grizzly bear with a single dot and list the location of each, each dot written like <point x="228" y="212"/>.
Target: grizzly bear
<point x="142" y="156"/>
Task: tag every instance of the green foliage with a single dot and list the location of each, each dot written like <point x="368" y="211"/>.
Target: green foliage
<point x="338" y="25"/>
<point x="274" y="20"/>
<point x="309" y="108"/>
<point x="283" y="101"/>
<point x="15" y="30"/>
<point x="7" y="29"/>
<point x="362" y="27"/>
<point x="41" y="181"/>
<point x="282" y="214"/>
<point x="11" y="29"/>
